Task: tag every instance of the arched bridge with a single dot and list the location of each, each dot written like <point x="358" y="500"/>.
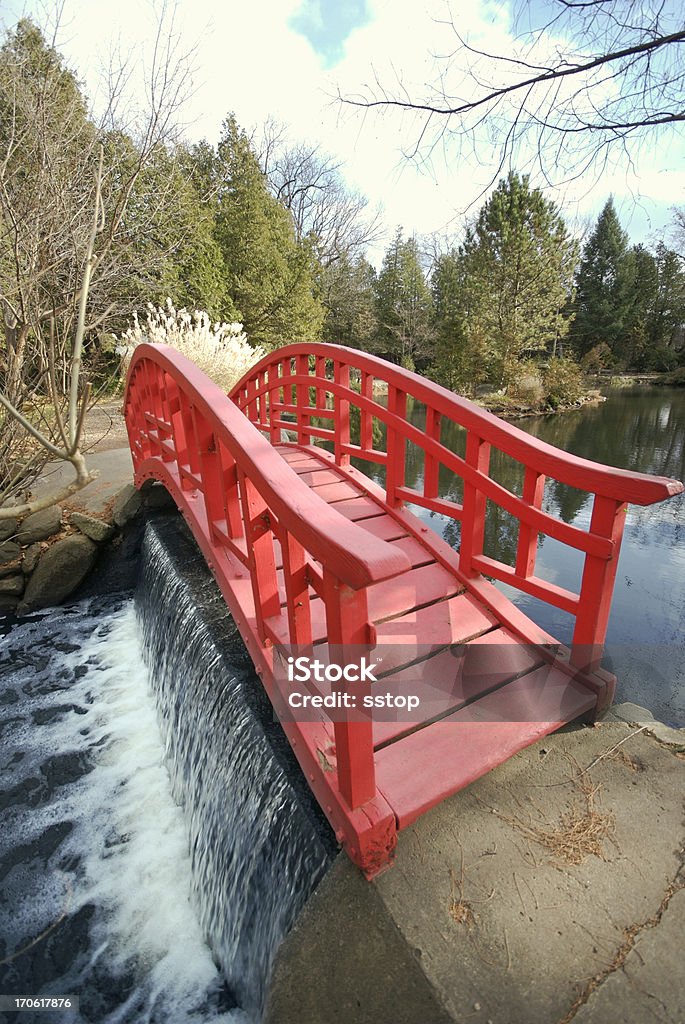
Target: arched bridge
<point x="315" y="560"/>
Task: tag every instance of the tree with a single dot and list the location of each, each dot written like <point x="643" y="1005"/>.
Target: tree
<point x="603" y="286"/>
<point x="458" y="360"/>
<point x="64" y="195"/>
<point x="346" y="290"/>
<point x="669" y="307"/>
<point x="334" y="218"/>
<point x="270" y="275"/>
<point x="518" y="261"/>
<point x="403" y="304"/>
<point x="581" y="80"/>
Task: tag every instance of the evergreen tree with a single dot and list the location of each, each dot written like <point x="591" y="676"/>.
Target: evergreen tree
<point x="458" y="360"/>
<point x="346" y="290"/>
<point x="641" y="279"/>
<point x="669" y="306"/>
<point x="403" y="304"/>
<point x="603" y="287"/>
<point x="518" y="261"/>
<point x="270" y="276"/>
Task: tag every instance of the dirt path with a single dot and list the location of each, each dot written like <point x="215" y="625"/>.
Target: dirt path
<point x="105" y="429"/>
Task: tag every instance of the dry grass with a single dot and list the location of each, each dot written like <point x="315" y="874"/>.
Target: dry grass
<point x="580" y="831"/>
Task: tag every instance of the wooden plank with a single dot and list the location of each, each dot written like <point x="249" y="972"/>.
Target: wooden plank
<point x="356" y="508"/>
<point x="446" y="622"/>
<point x="415" y="552"/>
<point x="384" y="527"/>
<point x="412" y="589"/>
<point x="332" y="493"/>
<point x="422" y="769"/>
<point x="451" y="678"/>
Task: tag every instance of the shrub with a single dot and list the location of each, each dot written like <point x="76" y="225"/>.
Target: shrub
<point x="598" y="358"/>
<point x="563" y="382"/>
<point x="526" y="386"/>
<point x="221" y="350"/>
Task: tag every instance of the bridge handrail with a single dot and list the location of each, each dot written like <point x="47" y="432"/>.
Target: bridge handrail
<point x="584" y="474"/>
<point x="349" y="552"/>
<point x="312" y="383"/>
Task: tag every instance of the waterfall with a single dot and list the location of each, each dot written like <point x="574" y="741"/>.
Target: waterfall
<point x="158" y="839"/>
<point x="258" y="841"/>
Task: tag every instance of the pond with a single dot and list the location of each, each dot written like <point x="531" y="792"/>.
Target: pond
<point x="641" y="430"/>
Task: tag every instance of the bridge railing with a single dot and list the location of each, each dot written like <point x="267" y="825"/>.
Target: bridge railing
<point x="252" y="515"/>
<point x="320" y="392"/>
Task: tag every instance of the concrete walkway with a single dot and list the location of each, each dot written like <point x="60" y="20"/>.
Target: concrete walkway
<point x="115" y="470"/>
<point x="549" y="891"/>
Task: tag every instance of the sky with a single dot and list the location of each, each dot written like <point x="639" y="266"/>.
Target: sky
<point x="291" y="59"/>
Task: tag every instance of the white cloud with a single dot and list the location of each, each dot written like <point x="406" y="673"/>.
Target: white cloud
<point x="251" y="62"/>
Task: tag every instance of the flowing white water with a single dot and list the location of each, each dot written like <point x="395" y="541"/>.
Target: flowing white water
<point x="91" y="830"/>
<point x="158" y="838"/>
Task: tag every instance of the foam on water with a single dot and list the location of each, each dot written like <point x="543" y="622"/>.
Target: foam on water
<point x="92" y="837"/>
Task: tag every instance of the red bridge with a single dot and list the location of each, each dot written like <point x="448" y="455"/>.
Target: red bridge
<point x="308" y="551"/>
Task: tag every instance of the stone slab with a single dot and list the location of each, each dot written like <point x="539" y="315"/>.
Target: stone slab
<point x="501" y="929"/>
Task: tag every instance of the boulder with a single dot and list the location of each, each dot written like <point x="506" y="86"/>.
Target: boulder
<point x="40" y="525"/>
<point x="127" y="505"/>
<point x="12" y="586"/>
<point x="10" y="558"/>
<point x="97" y="529"/>
<point x="31" y="556"/>
<point x="8" y="527"/>
<point x="60" y="570"/>
<point x="9" y="550"/>
<point x="7" y="603"/>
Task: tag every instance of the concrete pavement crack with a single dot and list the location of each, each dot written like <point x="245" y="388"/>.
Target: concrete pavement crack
<point x="631" y="934"/>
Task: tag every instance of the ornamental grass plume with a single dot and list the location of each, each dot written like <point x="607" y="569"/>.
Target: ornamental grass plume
<point x="221" y="350"/>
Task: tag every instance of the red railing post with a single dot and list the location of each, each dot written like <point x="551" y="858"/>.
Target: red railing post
<point x="296" y="591"/>
<point x="341" y="422"/>
<point x="526" y="552"/>
<point x="302" y="400"/>
<point x="260" y="550"/>
<point x="475" y="504"/>
<point x="210" y="471"/>
<point x="608" y="520"/>
<point x="274" y="398"/>
<point x="396" y="445"/>
<point x="347" y="620"/>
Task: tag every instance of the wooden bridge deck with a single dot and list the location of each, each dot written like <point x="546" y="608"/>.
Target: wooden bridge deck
<point x="312" y="555"/>
<point x="421" y="618"/>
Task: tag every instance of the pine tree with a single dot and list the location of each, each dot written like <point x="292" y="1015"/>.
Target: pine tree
<point x="458" y="361"/>
<point x="603" y="287"/>
<point x="403" y="304"/>
<point x="346" y="290"/>
<point x="518" y="262"/>
<point x="270" y="276"/>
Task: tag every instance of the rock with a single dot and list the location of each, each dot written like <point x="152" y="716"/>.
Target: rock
<point x="59" y="572"/>
<point x="31" y="556"/>
<point x="40" y="525"/>
<point x="10" y="558"/>
<point x="12" y="585"/>
<point x="127" y="505"/>
<point x="155" y="496"/>
<point x="96" y="529"/>
<point x="9" y="550"/>
<point x="7" y="604"/>
<point x="8" y="527"/>
<point x="636" y="715"/>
